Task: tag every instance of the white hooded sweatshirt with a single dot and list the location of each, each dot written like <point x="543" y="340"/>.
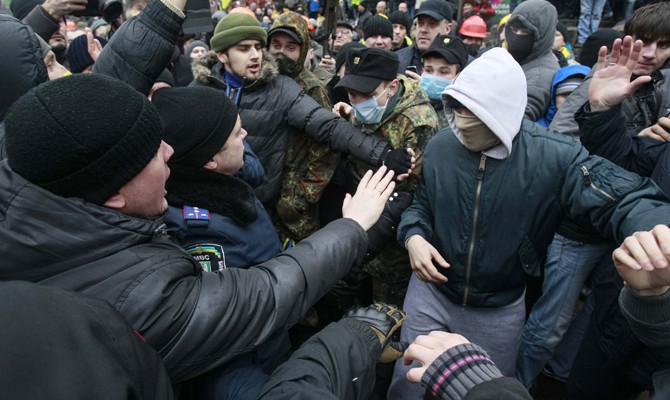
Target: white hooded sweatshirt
<point x="493" y="88"/>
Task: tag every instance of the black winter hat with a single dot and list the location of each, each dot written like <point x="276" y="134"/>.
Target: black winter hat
<point x="85" y="136"/>
<point x="77" y="53"/>
<point x="588" y="55"/>
<point x="378" y="25"/>
<point x="401" y="18"/>
<point x="195" y="133"/>
<point x="563" y="30"/>
<point x="367" y="68"/>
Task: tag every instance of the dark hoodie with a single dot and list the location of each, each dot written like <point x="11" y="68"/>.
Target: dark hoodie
<point x="539" y="16"/>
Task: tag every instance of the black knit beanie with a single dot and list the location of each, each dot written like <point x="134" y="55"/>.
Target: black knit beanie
<point x="77" y="53"/>
<point x="588" y="55"/>
<point x="85" y="136"/>
<point x="378" y="25"/>
<point x="196" y="133"/>
<point x="401" y="18"/>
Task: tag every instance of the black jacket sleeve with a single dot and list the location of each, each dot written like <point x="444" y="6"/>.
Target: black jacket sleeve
<point x="605" y="134"/>
<point x="336" y="363"/>
<point x="42" y="22"/>
<point x="306" y="115"/>
<point x="142" y="47"/>
<point x="199" y="321"/>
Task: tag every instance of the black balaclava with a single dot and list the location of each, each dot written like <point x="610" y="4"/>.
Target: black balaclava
<point x="519" y="46"/>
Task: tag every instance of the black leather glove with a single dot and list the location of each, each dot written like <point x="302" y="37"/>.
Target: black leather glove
<point x="384" y="320"/>
<point x="384" y="230"/>
<point x="396" y="160"/>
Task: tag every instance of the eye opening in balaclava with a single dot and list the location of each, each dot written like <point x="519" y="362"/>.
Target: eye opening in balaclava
<point x="520" y="46"/>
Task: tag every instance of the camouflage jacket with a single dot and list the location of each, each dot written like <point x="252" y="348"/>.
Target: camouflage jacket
<point x="308" y="164"/>
<point x="412" y="123"/>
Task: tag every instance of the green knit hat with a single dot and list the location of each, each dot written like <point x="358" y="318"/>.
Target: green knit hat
<point x="234" y="28"/>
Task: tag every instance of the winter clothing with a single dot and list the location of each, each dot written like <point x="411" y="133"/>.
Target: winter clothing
<point x="192" y="132"/>
<point x="378" y="25"/>
<point x="196" y="321"/>
<point x="641" y="110"/>
<point x="308" y="164"/>
<point x="21" y="8"/>
<point x="367" y="68"/>
<point x="605" y="134"/>
<point x="536" y="216"/>
<point x="588" y="55"/>
<point x="193" y="45"/>
<point x="21" y="62"/>
<point x="466" y="372"/>
<point x="401" y="18"/>
<point x="338" y="362"/>
<point x="272" y="108"/>
<point x="539" y="16"/>
<point x="234" y="28"/>
<point x="73" y="162"/>
<point x="566" y="80"/>
<point x="62" y="345"/>
<point x="124" y="58"/>
<point x="77" y="53"/>
<point x="409" y="121"/>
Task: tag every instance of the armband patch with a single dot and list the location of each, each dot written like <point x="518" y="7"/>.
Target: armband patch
<point x="210" y="256"/>
<point x="195" y="213"/>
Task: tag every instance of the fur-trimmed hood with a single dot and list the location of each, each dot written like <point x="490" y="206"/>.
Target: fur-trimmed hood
<point x="207" y="70"/>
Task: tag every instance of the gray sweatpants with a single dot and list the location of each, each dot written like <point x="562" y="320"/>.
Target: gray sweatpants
<point x="497" y="330"/>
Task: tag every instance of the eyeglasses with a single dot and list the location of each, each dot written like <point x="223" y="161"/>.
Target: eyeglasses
<point x="343" y="32"/>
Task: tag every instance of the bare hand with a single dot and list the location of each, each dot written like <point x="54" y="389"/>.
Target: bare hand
<point x="642" y="260"/>
<point x="413" y="75"/>
<point x="60" y="8"/>
<point x="368" y="202"/>
<point x="94" y="46"/>
<point x="342" y="109"/>
<point x="328" y="63"/>
<point x="425" y="349"/>
<point x="659" y="131"/>
<point x="421" y="256"/>
<point x="611" y="82"/>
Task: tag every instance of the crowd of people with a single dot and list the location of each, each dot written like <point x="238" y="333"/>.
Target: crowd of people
<point x="351" y="200"/>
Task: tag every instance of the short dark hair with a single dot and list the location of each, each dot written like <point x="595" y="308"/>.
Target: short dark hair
<point x="650" y="23"/>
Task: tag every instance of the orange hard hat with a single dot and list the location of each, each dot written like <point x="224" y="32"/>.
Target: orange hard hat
<point x="473" y="27"/>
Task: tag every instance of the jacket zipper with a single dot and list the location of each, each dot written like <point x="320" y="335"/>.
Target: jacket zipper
<point x="587" y="182"/>
<point x="475" y="217"/>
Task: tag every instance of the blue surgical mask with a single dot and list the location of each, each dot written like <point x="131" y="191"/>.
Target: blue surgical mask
<point x="368" y="111"/>
<point x="434" y="85"/>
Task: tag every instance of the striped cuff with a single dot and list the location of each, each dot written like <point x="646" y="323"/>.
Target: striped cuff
<point x="454" y="373"/>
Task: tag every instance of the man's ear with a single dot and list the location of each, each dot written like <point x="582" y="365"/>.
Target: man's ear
<point x="211" y="165"/>
<point x="222" y="57"/>
<point x="393" y="88"/>
<point x="447" y="28"/>
<point x="115" y="202"/>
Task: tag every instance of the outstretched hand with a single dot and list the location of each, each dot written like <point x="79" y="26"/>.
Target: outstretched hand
<point x="611" y="81"/>
<point x="642" y="260"/>
<point x="425" y="349"/>
<point x="421" y="257"/>
<point x="93" y="45"/>
<point x="368" y="202"/>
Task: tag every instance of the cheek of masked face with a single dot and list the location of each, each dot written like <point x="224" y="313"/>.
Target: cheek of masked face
<point x="475" y="135"/>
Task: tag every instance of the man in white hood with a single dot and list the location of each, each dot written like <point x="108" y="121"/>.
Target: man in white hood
<point x="494" y="189"/>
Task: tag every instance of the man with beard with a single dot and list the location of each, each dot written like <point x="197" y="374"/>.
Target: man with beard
<point x="432" y="18"/>
<point x="308" y="164"/>
<point x="48" y="20"/>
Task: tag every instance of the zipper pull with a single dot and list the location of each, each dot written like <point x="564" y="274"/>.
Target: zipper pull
<point x="585" y="177"/>
<point x="482" y="165"/>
